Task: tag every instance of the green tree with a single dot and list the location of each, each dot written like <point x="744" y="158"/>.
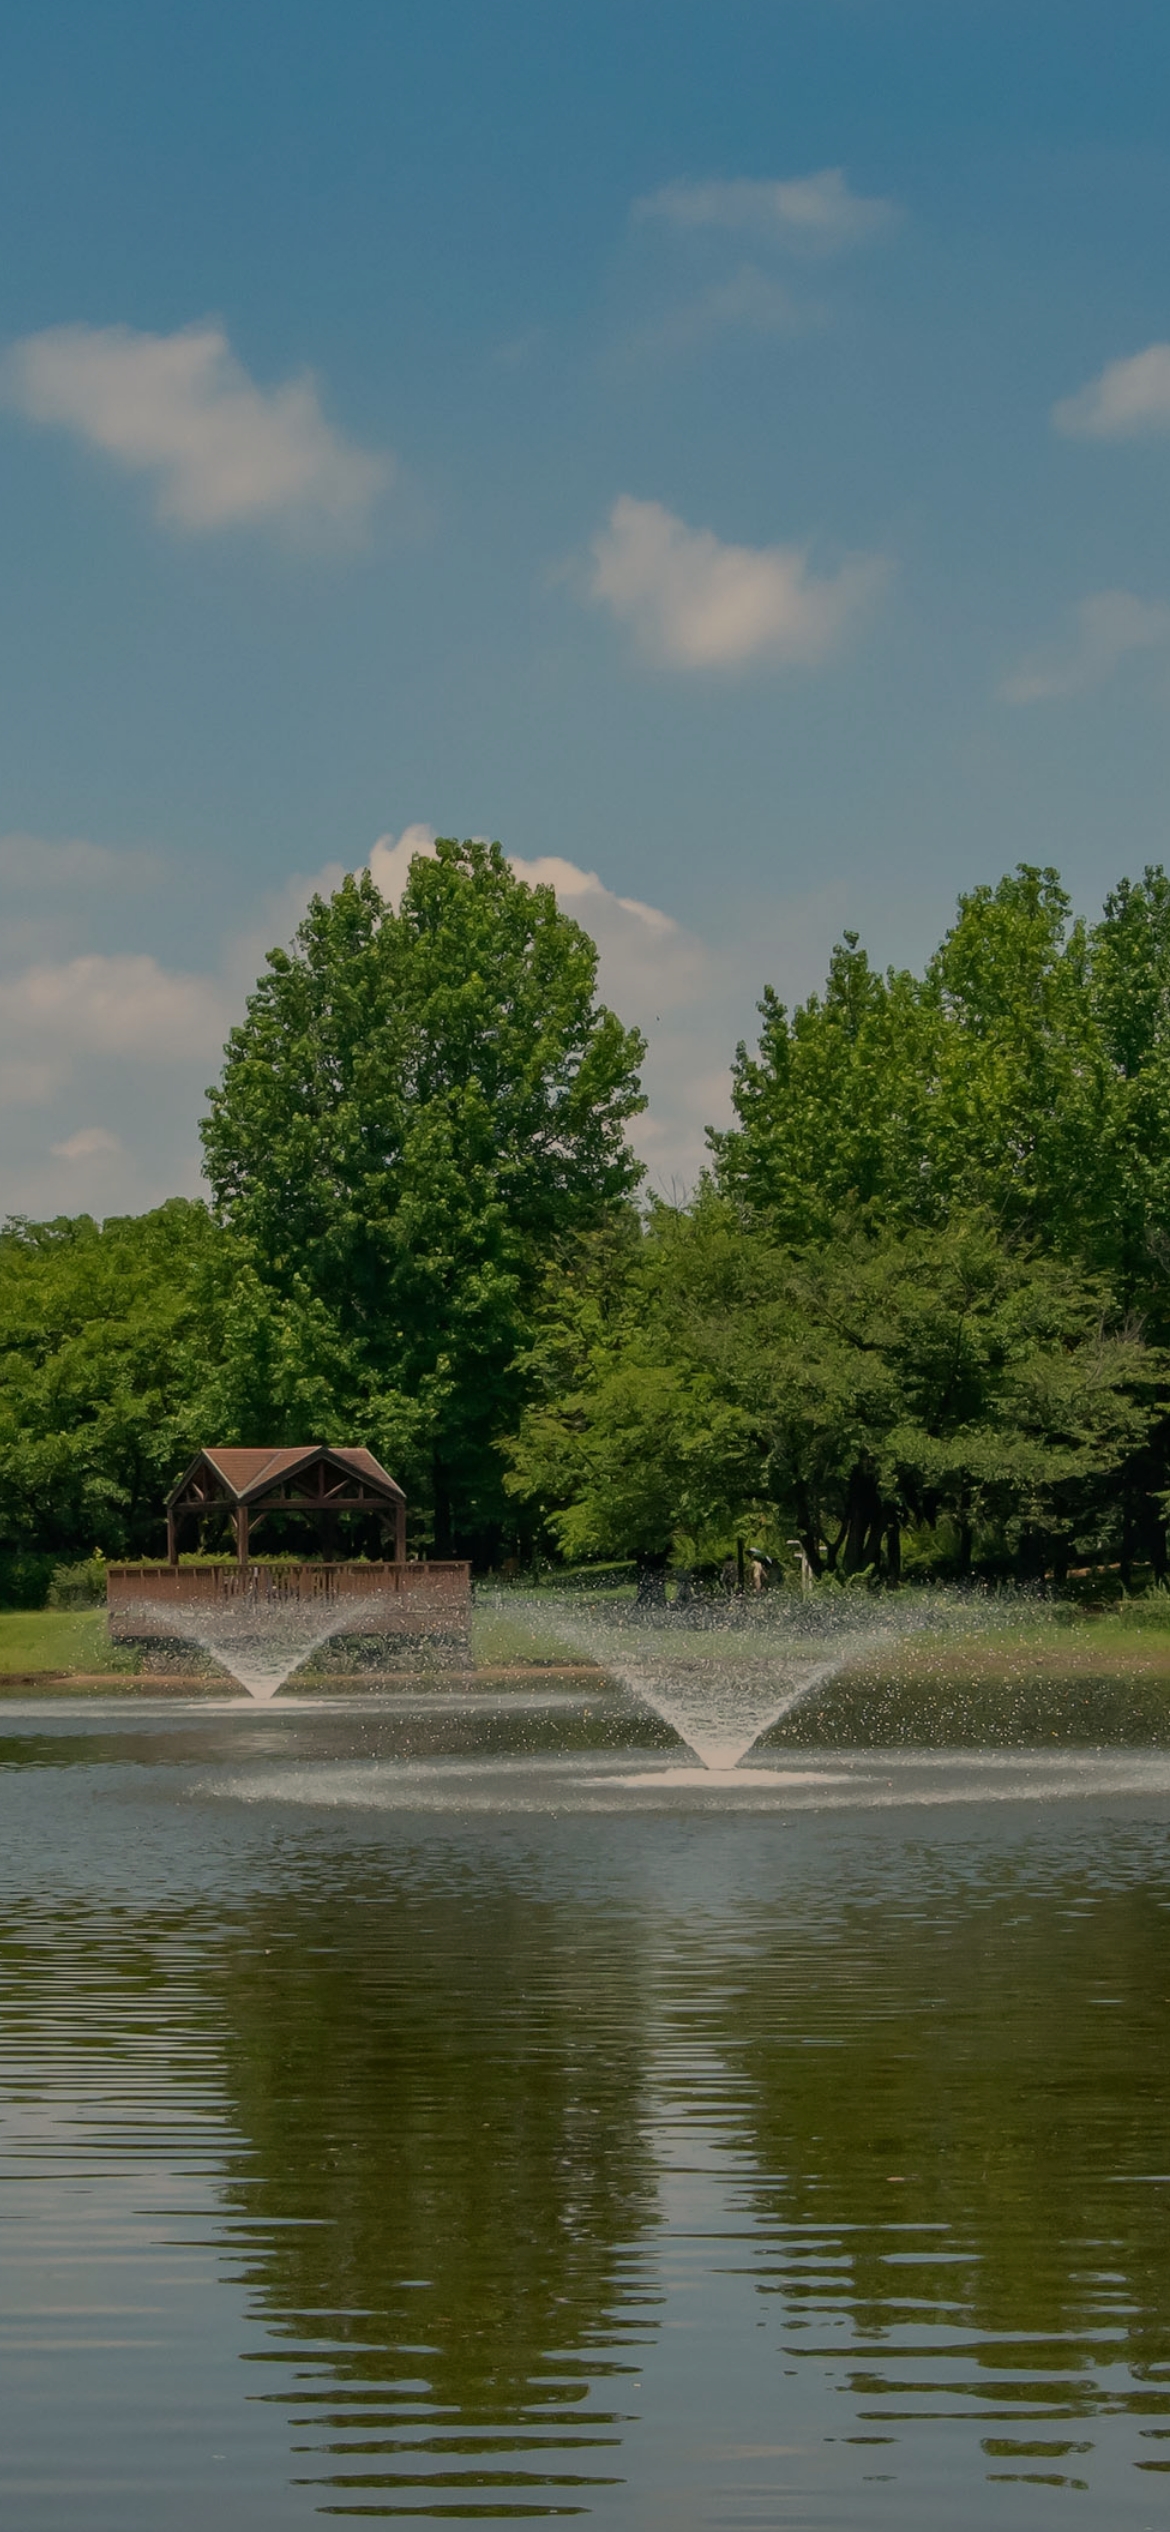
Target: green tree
<point x="1130" y="990"/>
<point x="834" y="1107"/>
<point x="1026" y="1071"/>
<point x="108" y="1335"/>
<point x="634" y="1434"/>
<point x="988" y="1081"/>
<point x="955" y="1372"/>
<point x="418" y="1106"/>
<point x="846" y="1389"/>
<point x="1024" y="1110"/>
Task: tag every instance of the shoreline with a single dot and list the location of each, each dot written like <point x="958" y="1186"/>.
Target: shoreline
<point x="333" y="1683"/>
<point x="966" y="1669"/>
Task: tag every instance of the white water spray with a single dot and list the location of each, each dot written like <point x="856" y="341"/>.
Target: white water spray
<point x="260" y="1642"/>
<point x="722" y="1711"/>
<point x="724" y="1675"/>
<point x="721" y="1685"/>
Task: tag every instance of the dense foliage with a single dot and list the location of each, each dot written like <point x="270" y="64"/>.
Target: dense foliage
<point x="1028" y="1070"/>
<point x="925" y="1291"/>
<point x="417" y="1108"/>
<point x="844" y="1389"/>
<point x="916" y="1316"/>
<point x="107" y="1343"/>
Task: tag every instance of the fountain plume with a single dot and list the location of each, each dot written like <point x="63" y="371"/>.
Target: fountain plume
<point x="260" y="1642"/>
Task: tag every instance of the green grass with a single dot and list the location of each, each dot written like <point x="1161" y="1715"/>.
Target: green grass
<point x="1118" y="1646"/>
<point x="60" y="1640"/>
<point x="67" y="1640"/>
<point x="76" y="1640"/>
<point x="501" y="1634"/>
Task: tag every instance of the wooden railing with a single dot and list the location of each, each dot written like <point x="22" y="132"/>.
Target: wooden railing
<point x="390" y="1595"/>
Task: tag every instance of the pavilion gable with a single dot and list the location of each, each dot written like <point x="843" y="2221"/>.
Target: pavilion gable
<point x="320" y="1479"/>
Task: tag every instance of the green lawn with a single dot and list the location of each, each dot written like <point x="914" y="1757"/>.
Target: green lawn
<point x="60" y="1639"/>
<point x="65" y="1641"/>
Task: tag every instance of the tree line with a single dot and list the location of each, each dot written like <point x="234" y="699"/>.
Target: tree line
<point x="916" y="1315"/>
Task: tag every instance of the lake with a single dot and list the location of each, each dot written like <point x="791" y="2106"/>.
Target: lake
<point x="409" y="2114"/>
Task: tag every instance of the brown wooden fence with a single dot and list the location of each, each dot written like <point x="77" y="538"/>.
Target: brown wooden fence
<point x="369" y="1599"/>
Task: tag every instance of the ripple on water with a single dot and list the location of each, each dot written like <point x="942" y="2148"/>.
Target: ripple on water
<point x="609" y="2141"/>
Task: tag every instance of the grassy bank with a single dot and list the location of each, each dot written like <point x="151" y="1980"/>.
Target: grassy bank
<point x="64" y="1641"/>
<point x="61" y="1645"/>
<point x="1055" y="1674"/>
<point x="1099" y="1681"/>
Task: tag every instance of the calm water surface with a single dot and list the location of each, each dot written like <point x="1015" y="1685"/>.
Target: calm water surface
<point x="390" y="2131"/>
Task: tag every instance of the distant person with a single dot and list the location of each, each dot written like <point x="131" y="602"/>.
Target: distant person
<point x="651" y="1592"/>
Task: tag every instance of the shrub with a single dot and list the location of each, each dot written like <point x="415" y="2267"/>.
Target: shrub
<point x="25" y="1575"/>
<point x="79" y="1586"/>
<point x="1147" y="1608"/>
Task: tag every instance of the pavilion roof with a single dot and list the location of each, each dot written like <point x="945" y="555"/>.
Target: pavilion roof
<point x="246" y="1476"/>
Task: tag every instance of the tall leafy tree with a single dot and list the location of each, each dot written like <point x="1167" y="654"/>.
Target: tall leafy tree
<point x="834" y="1106"/>
<point x="108" y="1337"/>
<point x="417" y="1107"/>
<point x="1026" y="1071"/>
<point x="636" y="1430"/>
<point x="989" y="1080"/>
<point x="1024" y="1108"/>
<point x="845" y="1389"/>
<point x="1129" y="980"/>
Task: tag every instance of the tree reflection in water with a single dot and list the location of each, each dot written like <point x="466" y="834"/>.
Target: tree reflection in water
<point x="447" y="2180"/>
<point x="872" y="2104"/>
<point x="952" y="2091"/>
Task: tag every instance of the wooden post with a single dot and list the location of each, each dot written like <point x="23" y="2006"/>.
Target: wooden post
<point x="400" y="1533"/>
<point x="172" y="1540"/>
<point x="242" y="1533"/>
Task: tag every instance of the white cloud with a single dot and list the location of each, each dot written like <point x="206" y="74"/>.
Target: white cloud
<point x="390" y="859"/>
<point x="643" y="950"/>
<point x="182" y="409"/>
<point x="817" y="213"/>
<point x="1130" y="399"/>
<point x="648" y="963"/>
<point x="122" y="1006"/>
<point x="30" y="862"/>
<point x="125" y="1035"/>
<point x="693" y="602"/>
<point x="1106" y="629"/>
<point x="92" y="1143"/>
<point x="749" y="299"/>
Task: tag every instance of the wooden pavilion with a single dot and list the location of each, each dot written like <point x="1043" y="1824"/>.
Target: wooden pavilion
<point x="317" y="1479"/>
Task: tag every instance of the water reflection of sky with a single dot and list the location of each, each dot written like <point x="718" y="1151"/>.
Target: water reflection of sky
<point x="661" y="2161"/>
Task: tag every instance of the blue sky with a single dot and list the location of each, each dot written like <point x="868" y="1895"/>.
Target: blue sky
<point x="723" y="451"/>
